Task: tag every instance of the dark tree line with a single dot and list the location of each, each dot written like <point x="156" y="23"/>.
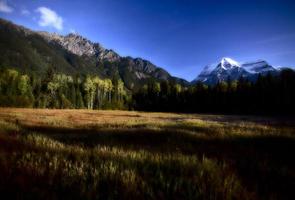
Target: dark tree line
<point x="268" y="95"/>
<point x="55" y="90"/>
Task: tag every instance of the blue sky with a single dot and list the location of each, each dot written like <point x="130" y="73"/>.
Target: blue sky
<point x="182" y="36"/>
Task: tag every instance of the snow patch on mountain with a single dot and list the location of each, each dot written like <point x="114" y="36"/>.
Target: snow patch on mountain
<point x="228" y="63"/>
<point x="229" y="69"/>
<point x="259" y="66"/>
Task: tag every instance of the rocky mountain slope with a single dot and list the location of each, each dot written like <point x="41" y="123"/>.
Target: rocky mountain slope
<point x="80" y="46"/>
<point x="33" y="51"/>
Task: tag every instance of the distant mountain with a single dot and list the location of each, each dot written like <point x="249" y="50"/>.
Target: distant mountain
<point x="228" y="68"/>
<point x="33" y="51"/>
<point x="260" y="66"/>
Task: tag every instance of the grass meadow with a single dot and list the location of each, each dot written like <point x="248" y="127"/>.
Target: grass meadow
<point x="82" y="154"/>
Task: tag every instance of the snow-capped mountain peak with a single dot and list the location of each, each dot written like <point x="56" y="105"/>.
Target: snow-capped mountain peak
<point x="228" y="63"/>
<point x="229" y="69"/>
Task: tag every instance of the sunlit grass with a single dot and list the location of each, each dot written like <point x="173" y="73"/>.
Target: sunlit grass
<point x="133" y="174"/>
<point x="82" y="154"/>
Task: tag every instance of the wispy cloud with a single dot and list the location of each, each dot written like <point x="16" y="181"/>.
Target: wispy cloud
<point x="4" y="7"/>
<point x="25" y="12"/>
<point x="49" y="18"/>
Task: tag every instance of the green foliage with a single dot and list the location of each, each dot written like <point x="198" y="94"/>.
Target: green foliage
<point x="60" y="91"/>
<point x="268" y="95"/>
<point x="15" y="89"/>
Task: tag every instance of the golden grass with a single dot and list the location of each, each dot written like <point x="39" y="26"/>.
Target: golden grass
<point x="145" y="155"/>
<point x="218" y="125"/>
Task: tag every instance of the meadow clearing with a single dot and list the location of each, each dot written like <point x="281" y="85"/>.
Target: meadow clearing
<point x="83" y="154"/>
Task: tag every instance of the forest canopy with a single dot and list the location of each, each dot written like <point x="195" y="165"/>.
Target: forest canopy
<point x="268" y="95"/>
<point x="55" y="90"/>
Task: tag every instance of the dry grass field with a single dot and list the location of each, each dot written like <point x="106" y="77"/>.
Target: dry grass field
<point x="82" y="154"/>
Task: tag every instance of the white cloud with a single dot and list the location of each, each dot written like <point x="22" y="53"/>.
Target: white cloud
<point x="25" y="12"/>
<point x="4" y="7"/>
<point x="49" y="18"/>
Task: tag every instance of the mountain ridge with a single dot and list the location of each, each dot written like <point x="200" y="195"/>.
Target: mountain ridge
<point x="73" y="53"/>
